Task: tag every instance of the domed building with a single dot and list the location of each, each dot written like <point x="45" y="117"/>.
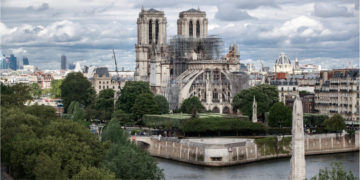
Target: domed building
<point x="283" y="64"/>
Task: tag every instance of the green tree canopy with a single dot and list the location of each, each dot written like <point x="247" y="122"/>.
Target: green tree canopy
<point x="55" y="90"/>
<point x="280" y="115"/>
<point x="145" y="104"/>
<point x="125" y="158"/>
<point x="124" y="118"/>
<point x="75" y="87"/>
<point x="190" y="104"/>
<point x="337" y="172"/>
<point x="36" y="147"/>
<point x="335" y="124"/>
<point x="129" y="92"/>
<point x="35" y="90"/>
<point x="314" y="120"/>
<point x="94" y="173"/>
<point x="244" y="101"/>
<point x="162" y="104"/>
<point x="104" y="104"/>
<point x="270" y="91"/>
<point x="15" y="95"/>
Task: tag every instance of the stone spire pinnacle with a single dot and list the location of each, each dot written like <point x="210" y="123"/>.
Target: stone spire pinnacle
<point x="297" y="161"/>
<point x="254" y="110"/>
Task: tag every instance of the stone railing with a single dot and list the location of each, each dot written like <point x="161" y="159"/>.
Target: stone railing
<point x="248" y="150"/>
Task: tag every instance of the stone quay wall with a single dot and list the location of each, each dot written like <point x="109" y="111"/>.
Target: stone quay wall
<point x="246" y="151"/>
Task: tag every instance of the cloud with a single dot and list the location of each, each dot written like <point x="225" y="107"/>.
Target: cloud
<point x="42" y="7"/>
<point x="302" y="26"/>
<point x="228" y="12"/>
<point x="330" y="10"/>
<point x="86" y="31"/>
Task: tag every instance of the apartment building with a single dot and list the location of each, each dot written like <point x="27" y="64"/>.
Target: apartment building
<point x="337" y="91"/>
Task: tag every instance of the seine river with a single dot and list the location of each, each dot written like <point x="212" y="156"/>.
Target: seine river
<point x="269" y="170"/>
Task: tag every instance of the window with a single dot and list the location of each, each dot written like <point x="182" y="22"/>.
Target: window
<point x="99" y="87"/>
<point x="197" y="28"/>
<point x="216" y="158"/>
<point x="216" y="75"/>
<point x="113" y="87"/>
<point x="215" y="94"/>
<point x="150" y="31"/>
<point x="156" y="31"/>
<point x="99" y="82"/>
<point x="190" y="28"/>
<point x="294" y="88"/>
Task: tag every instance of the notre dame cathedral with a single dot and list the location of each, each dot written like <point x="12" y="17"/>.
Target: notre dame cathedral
<point x="190" y="64"/>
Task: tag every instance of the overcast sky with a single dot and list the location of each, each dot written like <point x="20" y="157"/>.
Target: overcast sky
<point x="319" y="32"/>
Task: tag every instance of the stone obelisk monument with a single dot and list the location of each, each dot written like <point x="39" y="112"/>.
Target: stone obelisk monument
<point x="297" y="161"/>
<point x="254" y="112"/>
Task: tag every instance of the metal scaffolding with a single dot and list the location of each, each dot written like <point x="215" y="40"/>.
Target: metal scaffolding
<point x="182" y="50"/>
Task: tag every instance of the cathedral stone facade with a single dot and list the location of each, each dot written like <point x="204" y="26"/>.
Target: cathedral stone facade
<point x="190" y="64"/>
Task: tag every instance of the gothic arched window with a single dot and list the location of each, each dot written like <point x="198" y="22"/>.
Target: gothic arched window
<point x="150" y="31"/>
<point x="156" y="31"/>
<point x="197" y="28"/>
<point x="190" y="28"/>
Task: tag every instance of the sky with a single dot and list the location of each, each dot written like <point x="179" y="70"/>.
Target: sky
<point x="323" y="32"/>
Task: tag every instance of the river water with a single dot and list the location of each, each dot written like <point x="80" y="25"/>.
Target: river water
<point x="275" y="169"/>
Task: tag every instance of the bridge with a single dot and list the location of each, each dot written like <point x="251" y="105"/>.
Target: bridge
<point x="143" y="141"/>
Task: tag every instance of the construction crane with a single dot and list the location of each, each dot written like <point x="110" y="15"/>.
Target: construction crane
<point x="116" y="69"/>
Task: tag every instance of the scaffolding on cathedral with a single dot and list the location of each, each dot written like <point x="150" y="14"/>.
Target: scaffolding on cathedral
<point x="182" y="50"/>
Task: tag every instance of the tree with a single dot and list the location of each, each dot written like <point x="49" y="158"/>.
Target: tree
<point x="280" y="115"/>
<point x="55" y="90"/>
<point x="162" y="104"/>
<point x="15" y="95"/>
<point x="35" y="90"/>
<point x="126" y="159"/>
<point x="191" y="104"/>
<point x="337" y="173"/>
<point x="104" y="104"/>
<point x="48" y="168"/>
<point x="314" y="120"/>
<point x="75" y="87"/>
<point x="123" y="118"/>
<point x="94" y="173"/>
<point x="128" y="162"/>
<point x="335" y="124"/>
<point x="34" y="147"/>
<point x="270" y="91"/>
<point x="244" y="101"/>
<point x="129" y="92"/>
<point x="303" y="93"/>
<point x="145" y="104"/>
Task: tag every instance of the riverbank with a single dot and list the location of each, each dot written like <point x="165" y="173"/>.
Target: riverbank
<point x="227" y="152"/>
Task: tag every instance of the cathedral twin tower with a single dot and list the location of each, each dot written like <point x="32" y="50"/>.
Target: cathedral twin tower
<point x="152" y="43"/>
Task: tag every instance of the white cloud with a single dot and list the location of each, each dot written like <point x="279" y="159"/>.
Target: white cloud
<point x="330" y="9"/>
<point x="301" y="26"/>
<point x="86" y="31"/>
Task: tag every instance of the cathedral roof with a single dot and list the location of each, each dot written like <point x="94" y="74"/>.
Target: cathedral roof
<point x="282" y="59"/>
<point x="153" y="10"/>
<point x="192" y="11"/>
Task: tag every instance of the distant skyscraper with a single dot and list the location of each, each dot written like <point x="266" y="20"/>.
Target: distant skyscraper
<point x="63" y="62"/>
<point x="71" y="66"/>
<point x="25" y="61"/>
<point x="4" y="62"/>
<point x="13" y="62"/>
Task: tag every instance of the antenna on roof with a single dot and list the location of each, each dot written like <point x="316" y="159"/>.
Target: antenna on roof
<point x="198" y="6"/>
<point x="142" y="4"/>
